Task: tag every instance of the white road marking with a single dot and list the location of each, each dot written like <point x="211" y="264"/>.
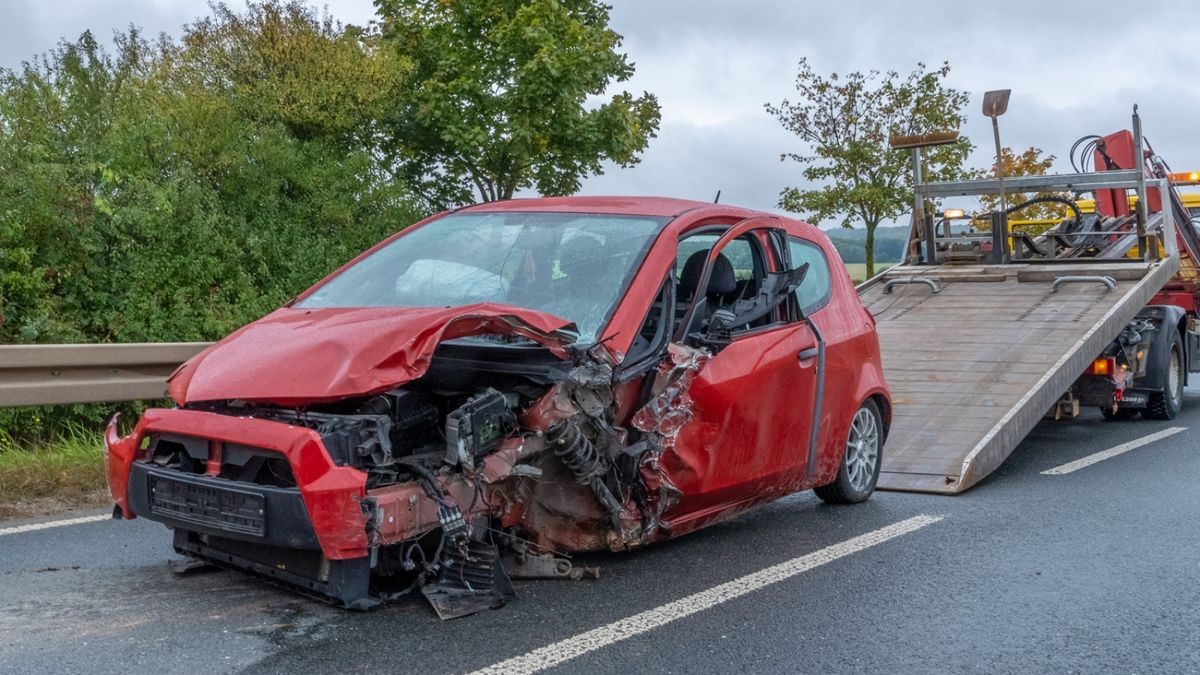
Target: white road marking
<point x="1111" y="452"/>
<point x="578" y="645"/>
<point x="34" y="527"/>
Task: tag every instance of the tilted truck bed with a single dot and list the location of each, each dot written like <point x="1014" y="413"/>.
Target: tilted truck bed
<point x="973" y="367"/>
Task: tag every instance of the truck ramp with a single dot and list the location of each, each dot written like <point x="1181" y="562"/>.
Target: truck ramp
<point x="975" y="355"/>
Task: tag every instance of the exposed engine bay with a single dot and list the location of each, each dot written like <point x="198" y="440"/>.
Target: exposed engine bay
<point x="522" y="454"/>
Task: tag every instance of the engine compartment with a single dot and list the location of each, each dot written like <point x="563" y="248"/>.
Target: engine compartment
<point x="498" y="460"/>
<point x="460" y="410"/>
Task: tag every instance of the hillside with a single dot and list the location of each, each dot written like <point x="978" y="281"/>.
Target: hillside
<point x="889" y="243"/>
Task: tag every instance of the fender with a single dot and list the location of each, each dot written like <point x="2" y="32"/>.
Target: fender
<point x="1170" y="320"/>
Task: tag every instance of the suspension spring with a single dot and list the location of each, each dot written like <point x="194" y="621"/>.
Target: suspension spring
<point x="577" y="452"/>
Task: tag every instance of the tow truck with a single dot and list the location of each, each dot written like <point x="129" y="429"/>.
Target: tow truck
<point x="985" y="333"/>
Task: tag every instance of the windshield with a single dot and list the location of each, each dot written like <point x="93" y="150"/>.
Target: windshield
<point x="574" y="266"/>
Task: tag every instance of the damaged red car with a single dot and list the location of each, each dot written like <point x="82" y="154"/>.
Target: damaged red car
<point x="506" y="383"/>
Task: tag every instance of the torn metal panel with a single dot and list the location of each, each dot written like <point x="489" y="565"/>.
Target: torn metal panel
<point x="671" y="406"/>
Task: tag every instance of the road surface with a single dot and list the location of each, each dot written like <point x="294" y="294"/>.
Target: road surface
<point x="1092" y="566"/>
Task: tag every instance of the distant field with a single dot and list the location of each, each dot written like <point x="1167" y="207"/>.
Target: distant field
<point x="858" y="271"/>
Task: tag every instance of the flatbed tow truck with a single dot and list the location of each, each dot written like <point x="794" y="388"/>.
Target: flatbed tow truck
<point x="983" y="334"/>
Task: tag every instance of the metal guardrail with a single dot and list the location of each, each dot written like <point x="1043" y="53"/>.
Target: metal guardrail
<point x="60" y="374"/>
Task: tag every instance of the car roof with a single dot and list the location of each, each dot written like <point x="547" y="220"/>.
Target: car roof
<point x="659" y="207"/>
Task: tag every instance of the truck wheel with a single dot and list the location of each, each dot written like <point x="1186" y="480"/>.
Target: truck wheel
<point x="1165" y="405"/>
<point x="861" y="461"/>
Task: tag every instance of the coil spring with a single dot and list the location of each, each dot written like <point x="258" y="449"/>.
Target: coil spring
<point x="577" y="452"/>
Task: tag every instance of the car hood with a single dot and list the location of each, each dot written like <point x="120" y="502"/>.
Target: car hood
<point x="298" y="356"/>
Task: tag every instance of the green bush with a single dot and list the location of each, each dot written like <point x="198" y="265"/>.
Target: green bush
<point x="173" y="191"/>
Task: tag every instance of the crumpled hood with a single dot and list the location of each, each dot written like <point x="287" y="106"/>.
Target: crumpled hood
<point x="297" y="356"/>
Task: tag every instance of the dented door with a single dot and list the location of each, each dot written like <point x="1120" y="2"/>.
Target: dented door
<point x="752" y="414"/>
<point x="753" y="404"/>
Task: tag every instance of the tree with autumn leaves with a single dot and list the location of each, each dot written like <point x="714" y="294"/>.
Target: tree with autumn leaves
<point x="845" y="121"/>
<point x="1030" y="162"/>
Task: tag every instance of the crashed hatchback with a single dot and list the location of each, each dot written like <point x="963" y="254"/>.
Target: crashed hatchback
<point x="499" y="386"/>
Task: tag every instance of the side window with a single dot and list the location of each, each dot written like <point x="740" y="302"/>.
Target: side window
<point x="814" y="292"/>
<point x="733" y="284"/>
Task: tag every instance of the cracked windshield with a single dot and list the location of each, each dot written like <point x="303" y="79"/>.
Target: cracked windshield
<point x="570" y="265"/>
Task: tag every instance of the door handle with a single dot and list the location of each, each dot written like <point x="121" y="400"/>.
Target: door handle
<point x="806" y="354"/>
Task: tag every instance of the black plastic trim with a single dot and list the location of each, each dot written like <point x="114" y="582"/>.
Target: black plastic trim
<point x="285" y="521"/>
<point x="343" y="582"/>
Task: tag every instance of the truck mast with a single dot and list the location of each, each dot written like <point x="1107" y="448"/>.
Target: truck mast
<point x="1118" y="151"/>
<point x="984" y="333"/>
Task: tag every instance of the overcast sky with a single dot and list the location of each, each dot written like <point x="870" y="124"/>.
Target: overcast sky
<point x="1074" y="68"/>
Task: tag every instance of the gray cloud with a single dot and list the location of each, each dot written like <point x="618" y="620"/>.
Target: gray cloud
<point x="31" y="27"/>
<point x="739" y="157"/>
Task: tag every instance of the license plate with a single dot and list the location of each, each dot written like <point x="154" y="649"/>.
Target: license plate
<point x="219" y="508"/>
<point x="1135" y="399"/>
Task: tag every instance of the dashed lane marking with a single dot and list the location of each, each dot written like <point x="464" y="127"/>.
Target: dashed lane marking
<point x="1112" y="452"/>
<point x="34" y="527"/>
<point x="623" y="629"/>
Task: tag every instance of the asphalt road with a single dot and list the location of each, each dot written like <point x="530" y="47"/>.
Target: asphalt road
<point x="1096" y="570"/>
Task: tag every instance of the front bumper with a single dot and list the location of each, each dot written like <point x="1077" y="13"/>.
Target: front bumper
<point x="323" y="512"/>
<point x="320" y="537"/>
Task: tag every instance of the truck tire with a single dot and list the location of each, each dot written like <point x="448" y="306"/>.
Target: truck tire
<point x="861" y="460"/>
<point x="1166" y="404"/>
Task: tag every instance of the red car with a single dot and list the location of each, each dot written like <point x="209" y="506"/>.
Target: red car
<point x="508" y="381"/>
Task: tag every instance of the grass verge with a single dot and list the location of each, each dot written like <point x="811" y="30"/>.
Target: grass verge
<point x="64" y="474"/>
<point x="858" y="271"/>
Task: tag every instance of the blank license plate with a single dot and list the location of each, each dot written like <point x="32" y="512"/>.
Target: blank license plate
<point x="220" y="508"/>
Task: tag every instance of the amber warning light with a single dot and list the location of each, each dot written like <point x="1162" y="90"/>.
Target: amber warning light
<point x="1103" y="366"/>
<point x="1186" y="178"/>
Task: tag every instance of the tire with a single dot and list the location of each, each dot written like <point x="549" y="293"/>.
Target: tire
<point x="861" y="459"/>
<point x="1119" y="413"/>
<point x="1166" y="404"/>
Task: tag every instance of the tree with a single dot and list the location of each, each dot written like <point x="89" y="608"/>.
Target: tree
<point x="846" y="122"/>
<point x="1031" y="162"/>
<point x="506" y="95"/>
<point x="280" y="62"/>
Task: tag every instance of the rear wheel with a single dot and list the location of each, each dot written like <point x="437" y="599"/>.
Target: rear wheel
<point x="861" y="461"/>
<point x="1166" y="404"/>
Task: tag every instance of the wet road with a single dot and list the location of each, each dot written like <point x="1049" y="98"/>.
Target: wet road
<point x="1093" y="570"/>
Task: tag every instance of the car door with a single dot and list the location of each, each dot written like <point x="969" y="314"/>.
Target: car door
<point x="753" y="403"/>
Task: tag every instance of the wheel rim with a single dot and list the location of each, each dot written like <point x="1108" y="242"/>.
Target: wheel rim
<point x="862" y="450"/>
<point x="1173" y="378"/>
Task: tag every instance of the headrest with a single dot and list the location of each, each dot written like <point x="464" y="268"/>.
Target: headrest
<point x="580" y="254"/>
<point x="720" y="282"/>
